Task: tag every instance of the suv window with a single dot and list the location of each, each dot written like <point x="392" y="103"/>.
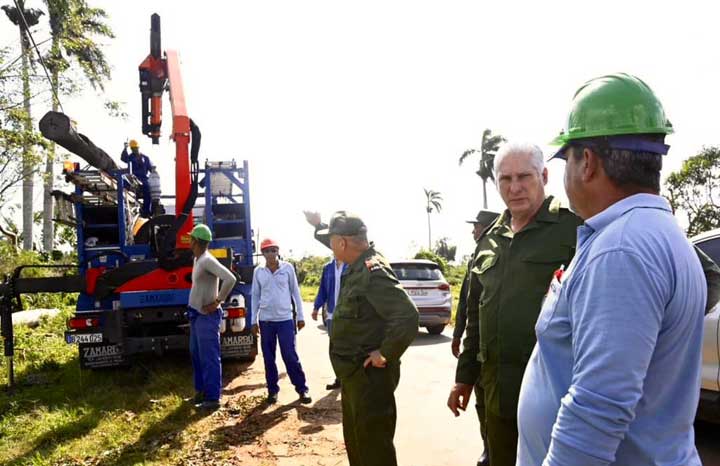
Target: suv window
<point x="417" y="272"/>
<point x="711" y="247"/>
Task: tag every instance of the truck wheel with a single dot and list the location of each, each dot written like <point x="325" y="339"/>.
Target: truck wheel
<point x="435" y="329"/>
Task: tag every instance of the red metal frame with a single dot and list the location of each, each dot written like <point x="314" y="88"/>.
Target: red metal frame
<point x="168" y="69"/>
<point x="159" y="279"/>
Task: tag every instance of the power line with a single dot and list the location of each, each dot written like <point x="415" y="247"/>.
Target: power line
<point x="42" y="62"/>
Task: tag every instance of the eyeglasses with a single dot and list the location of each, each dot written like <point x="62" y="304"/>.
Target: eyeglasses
<point x="270" y="250"/>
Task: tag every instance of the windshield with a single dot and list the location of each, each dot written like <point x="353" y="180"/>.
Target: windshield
<point x="417" y="272"/>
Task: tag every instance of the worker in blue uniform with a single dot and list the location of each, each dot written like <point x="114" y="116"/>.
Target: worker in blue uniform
<point x="139" y="165"/>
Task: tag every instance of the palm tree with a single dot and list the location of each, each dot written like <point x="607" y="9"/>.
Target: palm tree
<point x="434" y="200"/>
<point x="73" y="27"/>
<point x="24" y="19"/>
<point x="488" y="149"/>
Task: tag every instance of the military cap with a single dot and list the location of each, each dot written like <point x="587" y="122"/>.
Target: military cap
<point x="485" y="217"/>
<point x="344" y="223"/>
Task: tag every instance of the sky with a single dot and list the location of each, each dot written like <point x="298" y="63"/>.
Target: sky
<point x="361" y="105"/>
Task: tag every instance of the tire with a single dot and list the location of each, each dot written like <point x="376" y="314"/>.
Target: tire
<point x="435" y="329"/>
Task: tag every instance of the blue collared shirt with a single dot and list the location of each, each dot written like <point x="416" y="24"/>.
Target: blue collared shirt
<point x="273" y="294"/>
<point x="615" y="375"/>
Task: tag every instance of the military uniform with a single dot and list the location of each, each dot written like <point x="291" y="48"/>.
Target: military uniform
<point x="508" y="281"/>
<point x="373" y="313"/>
<point x="467" y="319"/>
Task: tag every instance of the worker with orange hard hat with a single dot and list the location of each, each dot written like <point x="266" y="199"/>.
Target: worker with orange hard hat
<point x="274" y="290"/>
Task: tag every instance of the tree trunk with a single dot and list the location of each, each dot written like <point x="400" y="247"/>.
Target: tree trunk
<point x="48" y="227"/>
<point x="57" y="127"/>
<point x="429" y="234"/>
<point x="484" y="194"/>
<point x="27" y="185"/>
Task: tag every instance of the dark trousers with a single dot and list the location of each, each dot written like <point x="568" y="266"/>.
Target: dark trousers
<point x="502" y="436"/>
<point x="145" y="211"/>
<point x="369" y="415"/>
<point x="272" y="333"/>
<point x="480" y="409"/>
<point x="205" y="353"/>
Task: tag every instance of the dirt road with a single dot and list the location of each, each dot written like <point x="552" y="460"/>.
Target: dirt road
<point x="292" y="434"/>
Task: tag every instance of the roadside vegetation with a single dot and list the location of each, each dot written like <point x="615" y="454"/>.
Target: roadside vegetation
<point x="60" y="415"/>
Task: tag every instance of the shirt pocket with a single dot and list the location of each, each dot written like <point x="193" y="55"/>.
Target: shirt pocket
<point x="348" y="307"/>
<point x="550" y="305"/>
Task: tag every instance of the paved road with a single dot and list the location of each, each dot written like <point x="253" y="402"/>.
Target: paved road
<point x="427" y="433"/>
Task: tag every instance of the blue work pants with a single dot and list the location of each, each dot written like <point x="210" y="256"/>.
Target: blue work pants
<point x="283" y="332"/>
<point x="205" y="352"/>
<point x="145" y="211"/>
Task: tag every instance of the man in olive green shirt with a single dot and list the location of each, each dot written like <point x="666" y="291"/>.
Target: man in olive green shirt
<point x="373" y="324"/>
<point x="513" y="265"/>
<point x="482" y="221"/>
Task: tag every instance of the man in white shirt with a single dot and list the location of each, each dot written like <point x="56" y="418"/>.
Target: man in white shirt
<point x="274" y="290"/>
<point x="328" y="293"/>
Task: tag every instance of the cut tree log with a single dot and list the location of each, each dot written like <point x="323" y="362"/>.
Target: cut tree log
<point x="58" y="127"/>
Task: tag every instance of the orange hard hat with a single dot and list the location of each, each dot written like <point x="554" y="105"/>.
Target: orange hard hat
<point x="268" y="243"/>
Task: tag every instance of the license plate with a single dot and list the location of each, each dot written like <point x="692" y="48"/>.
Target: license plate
<point x="237" y="340"/>
<point x="417" y="292"/>
<point x="72" y="338"/>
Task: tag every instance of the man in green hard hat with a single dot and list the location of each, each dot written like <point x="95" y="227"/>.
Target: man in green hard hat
<point x="373" y="324"/>
<point x="205" y="314"/>
<point x="615" y="375"/>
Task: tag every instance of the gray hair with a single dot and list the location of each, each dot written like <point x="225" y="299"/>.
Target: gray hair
<point x="527" y="148"/>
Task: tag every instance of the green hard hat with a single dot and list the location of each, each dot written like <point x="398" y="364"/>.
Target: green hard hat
<point x="612" y="105"/>
<point x="202" y="232"/>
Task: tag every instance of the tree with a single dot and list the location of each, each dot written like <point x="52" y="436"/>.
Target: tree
<point x="24" y="19"/>
<point x="444" y="250"/>
<point x="431" y="256"/>
<point x="74" y="26"/>
<point x="434" y="203"/>
<point x="488" y="148"/>
<point x="695" y="190"/>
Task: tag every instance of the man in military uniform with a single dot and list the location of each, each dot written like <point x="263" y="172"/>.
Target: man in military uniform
<point x="514" y="262"/>
<point x="373" y="324"/>
<point x="483" y="220"/>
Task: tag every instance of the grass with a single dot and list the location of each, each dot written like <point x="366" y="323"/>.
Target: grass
<point x="59" y="415"/>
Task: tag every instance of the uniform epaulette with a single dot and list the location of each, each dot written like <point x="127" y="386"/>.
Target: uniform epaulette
<point x="373" y="265"/>
<point x="555" y="206"/>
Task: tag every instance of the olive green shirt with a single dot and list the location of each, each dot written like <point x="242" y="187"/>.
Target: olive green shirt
<point x="508" y="281"/>
<point x="373" y="313"/>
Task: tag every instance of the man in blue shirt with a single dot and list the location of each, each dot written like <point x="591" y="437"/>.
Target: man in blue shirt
<point x="615" y="375"/>
<point x="328" y="294"/>
<point x="274" y="290"/>
<point x="139" y="165"/>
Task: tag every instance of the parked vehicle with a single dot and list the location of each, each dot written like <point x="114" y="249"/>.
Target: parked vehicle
<point x="426" y="285"/>
<point x="709" y="407"/>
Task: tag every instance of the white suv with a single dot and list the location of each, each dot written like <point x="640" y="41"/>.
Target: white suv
<point x="424" y="282"/>
<point x="709" y="408"/>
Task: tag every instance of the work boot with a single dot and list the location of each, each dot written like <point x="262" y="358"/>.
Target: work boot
<point x="271" y="398"/>
<point x="333" y="386"/>
<point x="484" y="459"/>
<point x="198" y="398"/>
<point x="210" y="405"/>
<point x="305" y="398"/>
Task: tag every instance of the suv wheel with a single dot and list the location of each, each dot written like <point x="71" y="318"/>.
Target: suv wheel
<point x="435" y="329"/>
